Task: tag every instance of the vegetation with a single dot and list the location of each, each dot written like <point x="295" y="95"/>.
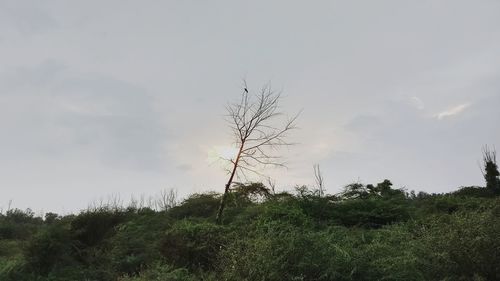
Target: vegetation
<point x="368" y="232"/>
<point x="491" y="173"/>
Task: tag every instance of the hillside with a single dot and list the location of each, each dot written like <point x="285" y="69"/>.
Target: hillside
<point x="368" y="232"/>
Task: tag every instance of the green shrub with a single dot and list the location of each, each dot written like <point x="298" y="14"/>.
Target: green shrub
<point x="91" y="227"/>
<point x="136" y="242"/>
<point x="8" y="230"/>
<point x="49" y="248"/>
<point x="13" y="269"/>
<point x="193" y="244"/>
<point x="288" y="212"/>
<point x="286" y="252"/>
<point x="462" y="246"/>
<point x="474" y="191"/>
<point x="10" y="248"/>
<point x="162" y="272"/>
<point x="370" y="212"/>
<point x="385" y="254"/>
<point x="18" y="224"/>
<point x="197" y="205"/>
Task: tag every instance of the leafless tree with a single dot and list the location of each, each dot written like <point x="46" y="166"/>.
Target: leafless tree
<point x="318" y="178"/>
<point x="167" y="199"/>
<point x="253" y="125"/>
<point x="115" y="202"/>
<point x="272" y="185"/>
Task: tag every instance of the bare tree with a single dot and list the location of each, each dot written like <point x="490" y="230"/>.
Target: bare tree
<point x="272" y="185"/>
<point x="167" y="199"/>
<point x="252" y="122"/>
<point x="318" y="178"/>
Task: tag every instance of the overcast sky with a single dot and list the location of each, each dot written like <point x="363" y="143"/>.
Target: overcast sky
<point x="128" y="97"/>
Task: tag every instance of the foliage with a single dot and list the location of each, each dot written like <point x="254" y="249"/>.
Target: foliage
<point x="491" y="173"/>
<point x="18" y="224"/>
<point x="367" y="232"/>
<point x="250" y="193"/>
<point x="473" y="191"/>
<point x="285" y="252"/>
<point x="197" y="205"/>
<point x="462" y="246"/>
<point x="49" y="248"/>
<point x="90" y="227"/>
<point x="193" y="244"/>
<point x="136" y="243"/>
<point x="162" y="272"/>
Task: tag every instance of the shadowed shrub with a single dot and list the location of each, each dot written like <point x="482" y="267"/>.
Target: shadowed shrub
<point x="197" y="205"/>
<point x="193" y="244"/>
<point x="51" y="247"/>
<point x="90" y="228"/>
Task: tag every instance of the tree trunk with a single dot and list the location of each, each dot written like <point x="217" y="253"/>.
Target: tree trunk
<point x="228" y="184"/>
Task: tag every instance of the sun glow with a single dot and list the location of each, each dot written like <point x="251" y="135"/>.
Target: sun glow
<point x="219" y="152"/>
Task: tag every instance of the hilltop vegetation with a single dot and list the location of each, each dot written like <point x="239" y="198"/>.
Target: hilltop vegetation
<point x="368" y="232"/>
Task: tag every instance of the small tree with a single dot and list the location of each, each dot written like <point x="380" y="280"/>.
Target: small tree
<point x="318" y="178"/>
<point x="166" y="200"/>
<point x="253" y="124"/>
<point x="490" y="173"/>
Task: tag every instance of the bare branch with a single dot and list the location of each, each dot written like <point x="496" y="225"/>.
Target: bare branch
<point x="272" y="185"/>
<point x="318" y="178"/>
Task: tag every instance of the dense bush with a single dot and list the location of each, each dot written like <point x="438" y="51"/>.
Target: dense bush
<point x="370" y="212"/>
<point x="136" y="243"/>
<point x="473" y="191"/>
<point x="163" y="272"/>
<point x="90" y="227"/>
<point x="285" y="252"/>
<point x="193" y="244"/>
<point x="368" y="232"/>
<point x="49" y="248"/>
<point x="462" y="246"/>
<point x="18" y="224"/>
<point x="13" y="269"/>
<point x="197" y="205"/>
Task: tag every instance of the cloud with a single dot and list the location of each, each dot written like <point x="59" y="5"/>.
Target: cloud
<point x="26" y="18"/>
<point x="70" y="112"/>
<point x="184" y="167"/>
<point x="452" y="111"/>
<point x="417" y="103"/>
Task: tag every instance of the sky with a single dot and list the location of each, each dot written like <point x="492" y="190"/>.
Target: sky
<point x="100" y="98"/>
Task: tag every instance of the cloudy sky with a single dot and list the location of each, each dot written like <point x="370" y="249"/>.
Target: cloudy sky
<point x="128" y="97"/>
